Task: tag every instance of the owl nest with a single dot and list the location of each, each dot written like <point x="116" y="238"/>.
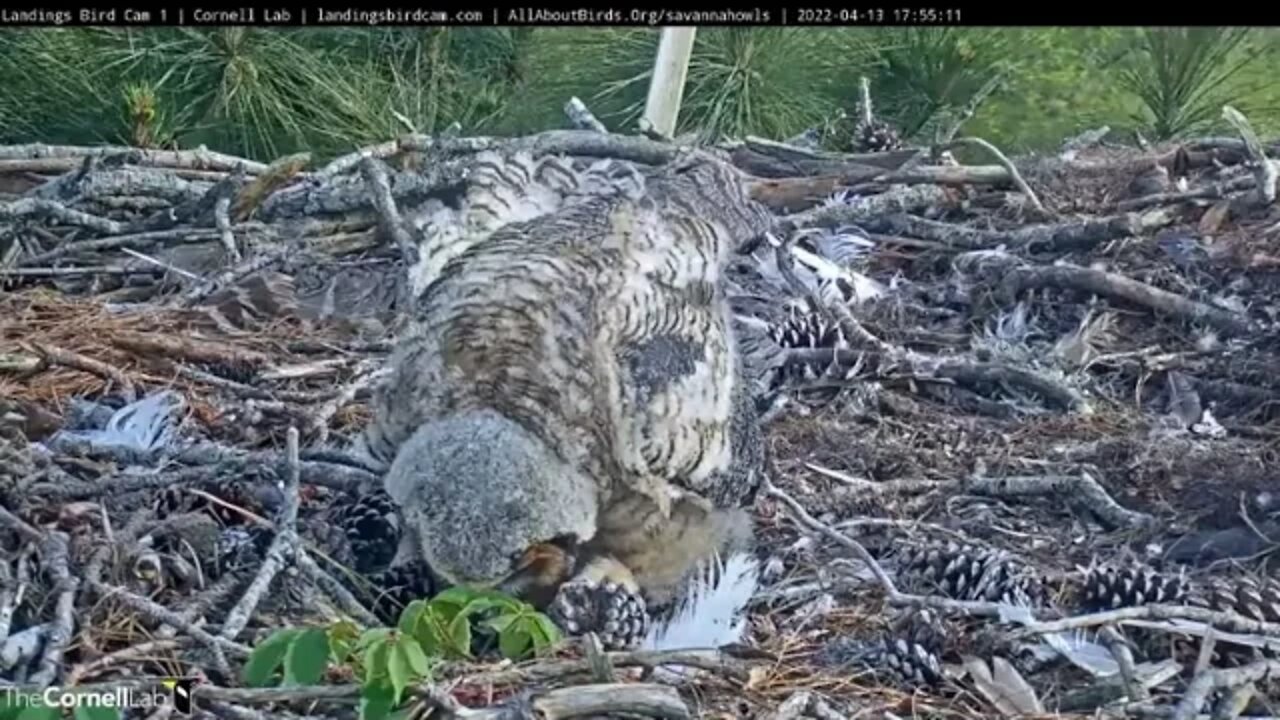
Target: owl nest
<point x="1038" y="396"/>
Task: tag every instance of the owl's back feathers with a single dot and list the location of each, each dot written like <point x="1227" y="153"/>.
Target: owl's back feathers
<point x="599" y="328"/>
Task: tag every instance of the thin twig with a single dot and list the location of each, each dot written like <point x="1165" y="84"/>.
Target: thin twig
<point x="37" y="208"/>
<point x="392" y="223"/>
<point x="812" y="523"/>
<point x="76" y="361"/>
<point x="20" y="526"/>
<point x="1198" y="691"/>
<point x="367" y="374"/>
<point x="335" y="589"/>
<point x="222" y="221"/>
<point x="1228" y="620"/>
<point x="216" y="644"/>
<point x="1003" y="159"/>
<point x="581" y="117"/>
<point x="57" y="558"/>
<point x="123" y="655"/>
<point x="283" y="547"/>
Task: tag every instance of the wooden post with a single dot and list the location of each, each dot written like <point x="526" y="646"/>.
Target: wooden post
<point x="666" y="88"/>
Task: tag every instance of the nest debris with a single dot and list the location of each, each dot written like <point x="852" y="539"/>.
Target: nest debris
<point x="1017" y="412"/>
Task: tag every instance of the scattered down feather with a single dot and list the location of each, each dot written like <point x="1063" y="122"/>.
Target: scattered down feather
<point x="712" y="612"/>
<point x="1002" y="686"/>
<point x="860" y="288"/>
<point x="1085" y="654"/>
<point x="842" y="245"/>
<point x="145" y="426"/>
<point x="825" y="279"/>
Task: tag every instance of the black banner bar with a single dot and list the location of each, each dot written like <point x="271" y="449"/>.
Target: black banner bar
<point x="552" y="13"/>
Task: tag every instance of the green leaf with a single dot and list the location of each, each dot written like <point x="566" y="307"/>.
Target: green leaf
<point x="375" y="702"/>
<point x="493" y="598"/>
<point x="375" y="661"/>
<point x="85" y="712"/>
<point x="10" y="706"/>
<point x="418" y="661"/>
<point x="307" y="658"/>
<point x="450" y="603"/>
<point x="478" y="605"/>
<point x="267" y="657"/>
<point x="342" y="639"/>
<point x="40" y="712"/>
<point x="515" y="642"/>
<point x="430" y="632"/>
<point x="502" y="622"/>
<point x="399" y="671"/>
<point x="460" y="635"/>
<point x="545" y="632"/>
<point x="372" y="635"/>
<point x="412" y="615"/>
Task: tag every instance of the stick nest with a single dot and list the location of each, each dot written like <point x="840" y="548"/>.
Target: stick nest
<point x="1012" y="408"/>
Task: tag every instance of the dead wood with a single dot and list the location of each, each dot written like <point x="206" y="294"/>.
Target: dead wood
<point x="1008" y="165"/>
<point x="389" y="217"/>
<point x="766" y="166"/>
<point x="35" y="208"/>
<point x="1118" y="287"/>
<point x="66" y="358"/>
<point x="284" y="546"/>
<point x="191" y="349"/>
<point x="1206" y="192"/>
<point x="889" y="160"/>
<point x="903" y="408"/>
<point x="278" y="174"/>
<point x="581" y="117"/>
<point x="1047" y="238"/>
<point x="1265" y="172"/>
<point x="947" y="175"/>
<point x="140" y="240"/>
<point x="630" y="699"/>
<point x="866" y="209"/>
<point x="793" y="194"/>
<point x="56" y="558"/>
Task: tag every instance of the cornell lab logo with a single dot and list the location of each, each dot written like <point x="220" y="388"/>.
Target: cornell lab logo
<point x="181" y="689"/>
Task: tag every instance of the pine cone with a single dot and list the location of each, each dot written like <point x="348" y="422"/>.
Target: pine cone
<point x="909" y="651"/>
<point x="372" y="527"/>
<point x="242" y="547"/>
<point x="245" y="373"/>
<point x="1111" y="587"/>
<point x="1254" y="598"/>
<point x="259" y="495"/>
<point x="912" y="649"/>
<point x="1258" y="599"/>
<point x="394" y="588"/>
<point x="806" y="329"/>
<point x="875" y="136"/>
<point x="969" y="572"/>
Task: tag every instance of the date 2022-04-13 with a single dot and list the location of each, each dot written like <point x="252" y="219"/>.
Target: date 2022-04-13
<point x="901" y="15"/>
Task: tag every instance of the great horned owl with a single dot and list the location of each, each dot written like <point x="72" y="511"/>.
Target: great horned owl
<point x="503" y="189"/>
<point x="565" y="417"/>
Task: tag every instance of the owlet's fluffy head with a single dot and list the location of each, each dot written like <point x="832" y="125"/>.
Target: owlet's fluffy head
<point x="477" y="490"/>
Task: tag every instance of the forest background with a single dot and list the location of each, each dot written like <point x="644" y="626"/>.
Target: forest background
<point x="263" y="93"/>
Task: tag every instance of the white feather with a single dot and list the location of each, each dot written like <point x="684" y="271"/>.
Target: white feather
<point x="864" y="288"/>
<point x="712" y="611"/>
<point x="1083" y="653"/>
<point x="147" y="425"/>
<point x="843" y="245"/>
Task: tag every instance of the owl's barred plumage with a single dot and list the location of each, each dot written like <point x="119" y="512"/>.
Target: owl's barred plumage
<point x="571" y="378"/>
<point x="503" y="189"/>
